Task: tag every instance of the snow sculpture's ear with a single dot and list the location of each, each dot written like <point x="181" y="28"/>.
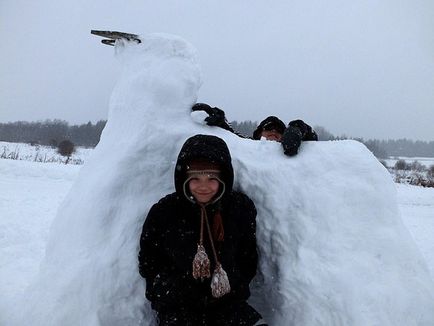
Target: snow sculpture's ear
<point x="199" y="117"/>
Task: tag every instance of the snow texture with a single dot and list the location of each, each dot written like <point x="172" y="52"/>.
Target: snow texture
<point x="333" y="249"/>
<point x="30" y="193"/>
<point x="41" y="153"/>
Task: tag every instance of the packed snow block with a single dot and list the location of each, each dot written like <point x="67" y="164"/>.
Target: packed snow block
<point x="333" y="250"/>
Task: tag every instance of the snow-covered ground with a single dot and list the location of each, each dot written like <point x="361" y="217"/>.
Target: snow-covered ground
<point x="40" y="153"/>
<point x="30" y="194"/>
<point x="417" y="210"/>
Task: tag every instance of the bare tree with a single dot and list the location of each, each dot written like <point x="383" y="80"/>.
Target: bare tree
<point x="431" y="171"/>
<point x="66" y="148"/>
<point x="401" y="165"/>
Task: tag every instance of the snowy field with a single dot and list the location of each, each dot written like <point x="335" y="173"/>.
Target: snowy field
<point x="40" y="153"/>
<point x="425" y="161"/>
<point x="30" y="193"/>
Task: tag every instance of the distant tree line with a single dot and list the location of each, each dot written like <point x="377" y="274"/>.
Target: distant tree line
<point x="400" y="147"/>
<point x="245" y="128"/>
<point x="408" y="147"/>
<point x="51" y="132"/>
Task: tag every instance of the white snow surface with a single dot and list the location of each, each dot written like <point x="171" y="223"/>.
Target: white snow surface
<point x="41" y="153"/>
<point x="30" y="193"/>
<point x="333" y="248"/>
<point x="416" y="205"/>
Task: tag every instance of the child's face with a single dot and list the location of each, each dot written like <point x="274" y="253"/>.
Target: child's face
<point x="203" y="187"/>
<point x="272" y="135"/>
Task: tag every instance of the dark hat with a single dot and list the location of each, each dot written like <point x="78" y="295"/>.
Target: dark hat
<point x="204" y="152"/>
<point x="269" y="123"/>
<point x="202" y="164"/>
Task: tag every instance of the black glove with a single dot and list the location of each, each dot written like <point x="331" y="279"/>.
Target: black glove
<point x="297" y="131"/>
<point x="307" y="133"/>
<point x="216" y="117"/>
<point x="291" y="140"/>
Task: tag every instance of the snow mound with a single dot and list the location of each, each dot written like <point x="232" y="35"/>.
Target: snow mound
<point x="333" y="248"/>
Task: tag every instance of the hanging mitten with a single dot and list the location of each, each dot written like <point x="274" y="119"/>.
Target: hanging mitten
<point x="219" y="282"/>
<point x="201" y="264"/>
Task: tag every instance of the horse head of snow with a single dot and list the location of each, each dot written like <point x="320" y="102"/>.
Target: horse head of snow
<point x="160" y="80"/>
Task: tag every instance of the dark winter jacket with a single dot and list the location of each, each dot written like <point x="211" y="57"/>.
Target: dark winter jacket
<point x="171" y="233"/>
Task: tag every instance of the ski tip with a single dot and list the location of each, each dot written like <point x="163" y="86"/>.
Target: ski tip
<point x="112" y="36"/>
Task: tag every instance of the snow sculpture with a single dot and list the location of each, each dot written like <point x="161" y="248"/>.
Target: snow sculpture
<point x="332" y="245"/>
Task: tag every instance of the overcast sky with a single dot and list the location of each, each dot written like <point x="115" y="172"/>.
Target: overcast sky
<point x="363" y="68"/>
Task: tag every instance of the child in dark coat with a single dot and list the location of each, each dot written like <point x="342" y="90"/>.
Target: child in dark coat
<point x="271" y="128"/>
<point x="198" y="245"/>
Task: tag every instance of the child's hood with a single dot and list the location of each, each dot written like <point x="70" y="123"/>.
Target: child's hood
<point x="204" y="147"/>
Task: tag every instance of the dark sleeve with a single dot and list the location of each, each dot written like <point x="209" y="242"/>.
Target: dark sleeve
<point x="216" y="117"/>
<point x="166" y="288"/>
<point x="245" y="257"/>
<point x="248" y="252"/>
<point x="150" y="242"/>
<point x="152" y="262"/>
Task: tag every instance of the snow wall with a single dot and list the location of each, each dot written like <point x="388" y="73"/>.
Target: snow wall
<point x="333" y="249"/>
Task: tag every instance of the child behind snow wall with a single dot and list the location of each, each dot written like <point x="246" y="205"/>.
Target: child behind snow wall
<point x="198" y="244"/>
